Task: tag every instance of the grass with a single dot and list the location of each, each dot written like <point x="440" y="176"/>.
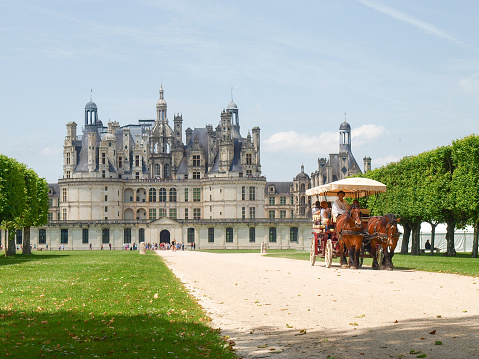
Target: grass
<point x="92" y="304"/>
<point x="462" y="264"/>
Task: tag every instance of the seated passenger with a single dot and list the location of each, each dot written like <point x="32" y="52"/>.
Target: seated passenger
<point x="325" y="213"/>
<point x="316" y="209"/>
<point x="340" y="206"/>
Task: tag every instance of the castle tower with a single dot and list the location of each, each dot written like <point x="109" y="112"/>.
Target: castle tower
<point x="367" y="164"/>
<point x="345" y="137"/>
<point x="161" y="108"/>
<point x="91" y="113"/>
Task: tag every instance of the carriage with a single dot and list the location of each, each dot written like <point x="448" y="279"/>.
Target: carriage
<point x="325" y="242"/>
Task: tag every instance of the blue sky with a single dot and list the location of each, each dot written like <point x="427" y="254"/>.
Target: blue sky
<point x="405" y="73"/>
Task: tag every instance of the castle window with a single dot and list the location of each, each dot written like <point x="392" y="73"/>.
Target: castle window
<point x="152" y="213"/>
<point x="173" y="213"/>
<point x="172" y="194"/>
<point x="249" y="173"/>
<point x="211" y="235"/>
<point x="272" y="234"/>
<point x="191" y="235"/>
<point x="229" y="235"/>
<point x="157" y="170"/>
<point x="252" y="234"/>
<point x="196" y="194"/>
<point x="196" y="160"/>
<point x="293" y="234"/>
<point x="68" y="174"/>
<point x="103" y="158"/>
<point x="64" y="214"/>
<point x="141" y="235"/>
<point x="64" y="195"/>
<point x="42" y="236"/>
<point x="64" y="236"/>
<point x="186" y="213"/>
<point x="162" y="195"/>
<point x="243" y="193"/>
<point x="271" y="215"/>
<point x="68" y="158"/>
<point x="186" y="194"/>
<point x="243" y="212"/>
<point x="196" y="175"/>
<point x="162" y="213"/>
<point x="271" y="201"/>
<point x="248" y="158"/>
<point x="252" y="212"/>
<point x="105" y="235"/>
<point x="127" y="235"/>
<point x="137" y="161"/>
<point x="252" y="194"/>
<point x="120" y="162"/>
<point x="282" y="201"/>
<point x="196" y="213"/>
<point x="152" y="195"/>
<point x="84" y="236"/>
<point x="282" y="214"/>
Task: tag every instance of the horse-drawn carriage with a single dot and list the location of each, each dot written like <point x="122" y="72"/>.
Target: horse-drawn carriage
<point x="354" y="234"/>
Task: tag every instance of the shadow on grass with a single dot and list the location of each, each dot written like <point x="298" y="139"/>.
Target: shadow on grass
<point x="41" y="334"/>
<point x="421" y="338"/>
<point x="24" y="258"/>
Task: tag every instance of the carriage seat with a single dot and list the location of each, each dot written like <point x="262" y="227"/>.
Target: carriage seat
<point x="365" y="212"/>
<point x="317" y="226"/>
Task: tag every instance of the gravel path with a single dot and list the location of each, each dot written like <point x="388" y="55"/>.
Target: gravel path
<point x="284" y="308"/>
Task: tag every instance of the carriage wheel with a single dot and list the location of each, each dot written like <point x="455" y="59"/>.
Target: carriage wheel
<point x="328" y="253"/>
<point x="312" y="256"/>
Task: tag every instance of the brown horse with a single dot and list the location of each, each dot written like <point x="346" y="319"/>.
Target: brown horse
<point x="384" y="232"/>
<point x="349" y="230"/>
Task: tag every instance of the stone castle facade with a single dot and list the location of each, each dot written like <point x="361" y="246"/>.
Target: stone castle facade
<point x="148" y="182"/>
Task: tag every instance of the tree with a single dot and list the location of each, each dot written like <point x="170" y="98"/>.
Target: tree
<point x="465" y="154"/>
<point x="12" y="198"/>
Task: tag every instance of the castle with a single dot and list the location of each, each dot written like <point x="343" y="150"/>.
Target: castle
<point x="146" y="182"/>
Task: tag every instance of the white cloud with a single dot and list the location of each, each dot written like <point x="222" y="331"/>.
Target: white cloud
<point x="326" y="142"/>
<point x="292" y="141"/>
<point x="470" y="86"/>
<point x="420" y="24"/>
<point x="366" y="134"/>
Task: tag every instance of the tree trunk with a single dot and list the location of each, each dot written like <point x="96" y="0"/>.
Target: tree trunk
<point x="451" y="250"/>
<point x="416" y="239"/>
<point x="433" y="237"/>
<point x="475" y="241"/>
<point x="405" y="238"/>
<point x="27" y="249"/>
<point x="11" y="250"/>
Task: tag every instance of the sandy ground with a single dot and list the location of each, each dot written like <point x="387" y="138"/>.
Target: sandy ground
<point x="283" y="308"/>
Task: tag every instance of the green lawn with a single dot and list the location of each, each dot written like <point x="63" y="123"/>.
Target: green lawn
<point x="461" y="264"/>
<point x="91" y="304"/>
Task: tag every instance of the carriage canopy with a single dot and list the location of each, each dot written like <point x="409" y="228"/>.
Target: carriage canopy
<point x="354" y="187"/>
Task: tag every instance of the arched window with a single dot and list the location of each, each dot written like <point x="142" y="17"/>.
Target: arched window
<point x="162" y="195"/>
<point x="302" y="187"/>
<point x="152" y="195"/>
<point x="173" y="195"/>
<point x="157" y="170"/>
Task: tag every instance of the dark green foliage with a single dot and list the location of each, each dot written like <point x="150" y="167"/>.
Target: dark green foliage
<point x="437" y="186"/>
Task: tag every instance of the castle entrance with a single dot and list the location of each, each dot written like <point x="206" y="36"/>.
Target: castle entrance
<point x="165" y="236"/>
